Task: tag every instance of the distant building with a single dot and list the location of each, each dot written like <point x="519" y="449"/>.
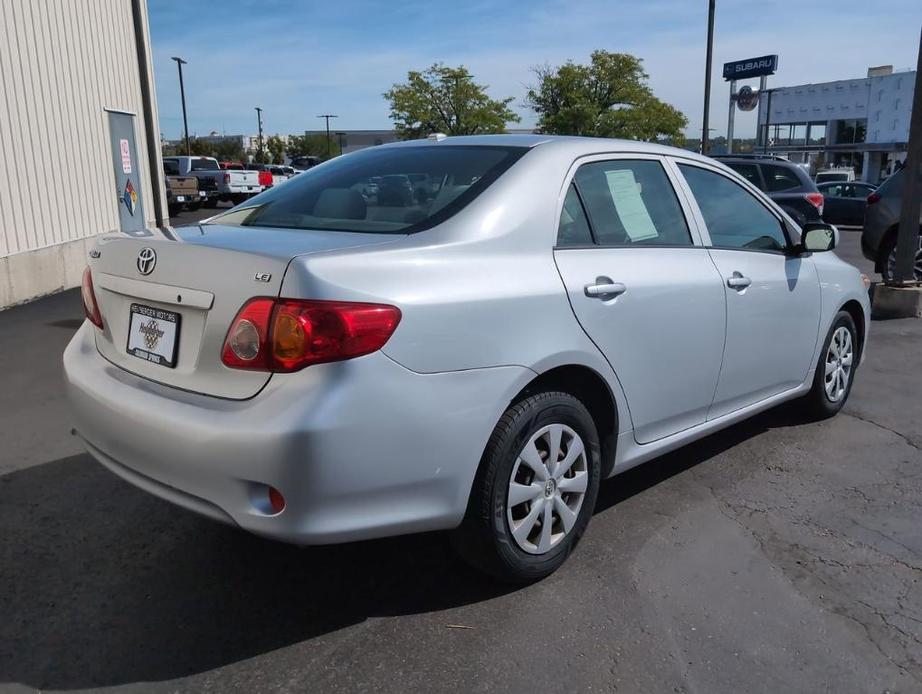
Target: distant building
<point x="861" y="123"/>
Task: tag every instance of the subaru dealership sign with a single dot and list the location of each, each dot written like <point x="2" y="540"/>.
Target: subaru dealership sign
<point x="751" y="67"/>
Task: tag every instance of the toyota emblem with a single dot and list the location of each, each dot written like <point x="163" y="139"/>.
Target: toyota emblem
<point x="147" y="260"/>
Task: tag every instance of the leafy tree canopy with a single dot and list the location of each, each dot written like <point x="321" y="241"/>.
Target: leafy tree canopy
<point x="313" y="145"/>
<point x="607" y="98"/>
<point x="443" y="99"/>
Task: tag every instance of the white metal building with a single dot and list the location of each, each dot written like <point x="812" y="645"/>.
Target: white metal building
<point x="862" y="123"/>
<point x="71" y="74"/>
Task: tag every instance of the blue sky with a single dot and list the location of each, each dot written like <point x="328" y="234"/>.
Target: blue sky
<point x="300" y="59"/>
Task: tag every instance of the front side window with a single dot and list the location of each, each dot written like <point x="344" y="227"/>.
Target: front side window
<point x="632" y="203"/>
<point x="573" y="229"/>
<point x="379" y="190"/>
<point x="778" y="178"/>
<point x="734" y="218"/>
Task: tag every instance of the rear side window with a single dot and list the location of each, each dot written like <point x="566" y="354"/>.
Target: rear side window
<point x="734" y="218"/>
<point x="203" y="164"/>
<point x="632" y="203"/>
<point x="748" y="171"/>
<point x="778" y="178"/>
<point x="573" y="229"/>
<point x="380" y="190"/>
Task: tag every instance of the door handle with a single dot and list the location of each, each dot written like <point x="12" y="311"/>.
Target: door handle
<point x="737" y="281"/>
<point x="604" y="289"/>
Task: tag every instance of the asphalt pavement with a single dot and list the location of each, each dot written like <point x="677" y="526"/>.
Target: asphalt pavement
<point x="776" y="556"/>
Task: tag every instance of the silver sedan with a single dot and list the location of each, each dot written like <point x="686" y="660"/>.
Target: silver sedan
<point x="501" y="324"/>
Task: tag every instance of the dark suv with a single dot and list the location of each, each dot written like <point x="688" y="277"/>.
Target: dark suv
<point x="785" y="183"/>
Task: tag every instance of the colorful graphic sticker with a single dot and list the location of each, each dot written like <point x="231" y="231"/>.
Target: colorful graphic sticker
<point x="130" y="197"/>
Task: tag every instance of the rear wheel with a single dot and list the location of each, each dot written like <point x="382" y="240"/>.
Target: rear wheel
<point x="535" y="490"/>
<point x="888" y="253"/>
<point x="211" y="203"/>
<point x="835" y="370"/>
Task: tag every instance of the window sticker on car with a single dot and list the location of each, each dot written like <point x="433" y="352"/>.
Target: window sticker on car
<point x="625" y="193"/>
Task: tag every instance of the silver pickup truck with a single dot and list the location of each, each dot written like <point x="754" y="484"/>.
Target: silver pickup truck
<point x="232" y="185"/>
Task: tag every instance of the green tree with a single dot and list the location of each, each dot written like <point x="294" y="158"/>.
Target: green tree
<point x="444" y="99"/>
<point x="228" y="149"/>
<point x="313" y="145"/>
<point x="276" y="147"/>
<point x="607" y="98"/>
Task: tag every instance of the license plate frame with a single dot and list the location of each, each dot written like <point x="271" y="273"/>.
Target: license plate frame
<point x="147" y="328"/>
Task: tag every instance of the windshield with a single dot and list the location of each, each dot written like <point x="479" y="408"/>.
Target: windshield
<point x="384" y="190"/>
<point x="831" y="177"/>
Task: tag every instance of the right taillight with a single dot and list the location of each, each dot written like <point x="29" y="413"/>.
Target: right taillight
<point x="873" y="198"/>
<point x="290" y="334"/>
<point x="90" y="307"/>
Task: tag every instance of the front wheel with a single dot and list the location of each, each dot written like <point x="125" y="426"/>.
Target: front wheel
<point x="535" y="490"/>
<point x="835" y="369"/>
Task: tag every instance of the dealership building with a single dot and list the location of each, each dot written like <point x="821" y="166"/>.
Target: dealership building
<point x="860" y="123"/>
<point x="77" y="111"/>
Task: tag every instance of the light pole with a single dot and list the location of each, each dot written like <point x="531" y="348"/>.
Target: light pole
<point x="707" y="78"/>
<point x="259" y="123"/>
<point x="327" y="117"/>
<point x="341" y="138"/>
<point x="182" y="95"/>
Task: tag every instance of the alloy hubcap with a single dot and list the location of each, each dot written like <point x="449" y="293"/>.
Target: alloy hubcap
<point x="839" y="359"/>
<point x="916" y="267"/>
<point x="547" y="488"/>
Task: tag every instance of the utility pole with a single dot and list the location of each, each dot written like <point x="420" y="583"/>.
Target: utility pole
<point x="707" y="78"/>
<point x="907" y="243"/>
<point x="259" y="123"/>
<point x="327" y="117"/>
<point x="182" y="95"/>
<point x="341" y="138"/>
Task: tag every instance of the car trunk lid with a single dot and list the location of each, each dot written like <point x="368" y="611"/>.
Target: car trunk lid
<point x="198" y="283"/>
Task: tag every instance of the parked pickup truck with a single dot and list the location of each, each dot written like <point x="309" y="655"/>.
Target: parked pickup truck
<point x="235" y="186"/>
<point x="181" y="191"/>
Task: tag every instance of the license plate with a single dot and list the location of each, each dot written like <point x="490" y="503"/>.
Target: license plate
<point x="180" y="198"/>
<point x="153" y="335"/>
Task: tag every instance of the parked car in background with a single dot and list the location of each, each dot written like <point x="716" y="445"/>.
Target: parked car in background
<point x="881" y="223"/>
<point x="835" y="175"/>
<point x="305" y="163"/>
<point x="561" y="310"/>
<point x="783" y="181"/>
<point x="844" y="203"/>
<point x="181" y="191"/>
<point x="265" y="175"/>
<point x="232" y="166"/>
<point x="235" y="186"/>
<point x="278" y="174"/>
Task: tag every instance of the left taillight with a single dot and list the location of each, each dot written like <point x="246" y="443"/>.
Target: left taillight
<point x="289" y="334"/>
<point x="90" y="307"/>
<point x="815" y="199"/>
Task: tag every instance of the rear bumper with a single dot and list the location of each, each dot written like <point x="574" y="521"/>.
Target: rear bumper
<point x="360" y="449"/>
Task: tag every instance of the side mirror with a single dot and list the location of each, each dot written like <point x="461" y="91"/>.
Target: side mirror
<point x="817" y="237"/>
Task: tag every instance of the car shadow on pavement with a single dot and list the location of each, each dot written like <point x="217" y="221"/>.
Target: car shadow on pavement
<point x="102" y="584"/>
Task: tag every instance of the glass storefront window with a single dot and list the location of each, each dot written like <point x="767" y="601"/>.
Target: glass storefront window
<point x="816" y="134"/>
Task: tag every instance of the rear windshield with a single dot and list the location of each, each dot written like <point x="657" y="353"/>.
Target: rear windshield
<point x="384" y="190"/>
<point x="203" y="164"/>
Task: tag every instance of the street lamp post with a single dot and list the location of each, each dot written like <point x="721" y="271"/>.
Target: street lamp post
<point x="182" y="95"/>
<point x="327" y="117"/>
<point x="707" y="78"/>
<point x="259" y="123"/>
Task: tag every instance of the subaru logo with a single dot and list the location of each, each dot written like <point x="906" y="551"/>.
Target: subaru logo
<point x="147" y="260"/>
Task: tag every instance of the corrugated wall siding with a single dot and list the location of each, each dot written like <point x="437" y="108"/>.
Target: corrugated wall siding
<point x="62" y="63"/>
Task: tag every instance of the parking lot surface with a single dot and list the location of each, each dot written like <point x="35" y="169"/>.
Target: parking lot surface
<point x="774" y="556"/>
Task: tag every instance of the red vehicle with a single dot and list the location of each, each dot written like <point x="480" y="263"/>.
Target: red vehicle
<point x="265" y="175"/>
<point x="232" y="166"/>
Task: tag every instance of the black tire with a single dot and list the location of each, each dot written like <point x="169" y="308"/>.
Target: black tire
<point x="817" y="403"/>
<point x="484" y="538"/>
<point x="211" y="203"/>
<point x="193" y="206"/>
<point x="174" y="209"/>
<point x="887" y="247"/>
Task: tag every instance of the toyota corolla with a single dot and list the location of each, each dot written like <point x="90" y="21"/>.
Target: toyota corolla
<point x="348" y="357"/>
